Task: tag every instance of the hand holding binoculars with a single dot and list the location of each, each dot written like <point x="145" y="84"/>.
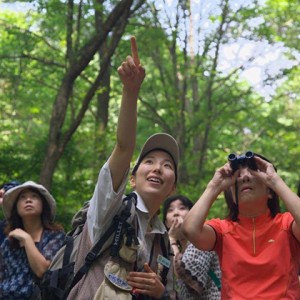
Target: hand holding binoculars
<point x="246" y="159"/>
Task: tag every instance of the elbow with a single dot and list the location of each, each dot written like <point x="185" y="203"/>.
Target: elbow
<point x="42" y="270"/>
<point x="40" y="273"/>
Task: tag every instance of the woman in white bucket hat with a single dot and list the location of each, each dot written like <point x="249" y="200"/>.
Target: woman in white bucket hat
<point x="32" y="239"/>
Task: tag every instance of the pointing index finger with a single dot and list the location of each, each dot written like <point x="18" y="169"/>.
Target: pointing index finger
<point x="134" y="51"/>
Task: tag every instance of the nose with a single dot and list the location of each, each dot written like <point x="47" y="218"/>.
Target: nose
<point x="157" y="167"/>
<point x="28" y="198"/>
<point x="175" y="212"/>
<point x="244" y="174"/>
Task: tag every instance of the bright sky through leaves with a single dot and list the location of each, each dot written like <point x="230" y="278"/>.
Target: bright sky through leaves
<point x="259" y="58"/>
<point x="265" y="59"/>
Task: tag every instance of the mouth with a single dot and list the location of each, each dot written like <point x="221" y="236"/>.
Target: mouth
<point x="155" y="180"/>
<point x="246" y="189"/>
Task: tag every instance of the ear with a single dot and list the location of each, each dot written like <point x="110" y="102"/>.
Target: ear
<point x="132" y="181"/>
<point x="269" y="194"/>
<point x="172" y="191"/>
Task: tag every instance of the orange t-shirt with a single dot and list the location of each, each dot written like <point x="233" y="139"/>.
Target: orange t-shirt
<point x="259" y="257"/>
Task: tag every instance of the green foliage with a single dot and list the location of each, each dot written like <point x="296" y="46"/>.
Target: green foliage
<point x="210" y="113"/>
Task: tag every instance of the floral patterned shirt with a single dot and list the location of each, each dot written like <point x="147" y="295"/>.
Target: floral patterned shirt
<point x="194" y="281"/>
<point x="17" y="280"/>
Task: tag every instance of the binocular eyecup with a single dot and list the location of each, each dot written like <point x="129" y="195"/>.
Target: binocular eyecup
<point x="246" y="159"/>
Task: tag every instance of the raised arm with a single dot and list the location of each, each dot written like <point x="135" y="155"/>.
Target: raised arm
<point x="132" y="75"/>
<point x="272" y="179"/>
<point x="199" y="234"/>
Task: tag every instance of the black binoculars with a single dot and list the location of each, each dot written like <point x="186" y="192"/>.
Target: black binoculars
<point x="246" y="159"/>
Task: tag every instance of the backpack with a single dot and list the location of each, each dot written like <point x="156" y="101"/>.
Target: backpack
<point x="60" y="277"/>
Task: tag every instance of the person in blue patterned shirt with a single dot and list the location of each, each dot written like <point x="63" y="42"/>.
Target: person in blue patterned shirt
<point x="3" y="189"/>
<point x="33" y="238"/>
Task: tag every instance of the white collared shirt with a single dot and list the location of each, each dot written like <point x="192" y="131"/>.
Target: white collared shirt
<point x="106" y="203"/>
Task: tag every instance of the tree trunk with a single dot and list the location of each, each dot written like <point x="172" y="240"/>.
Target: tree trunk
<point x="59" y="138"/>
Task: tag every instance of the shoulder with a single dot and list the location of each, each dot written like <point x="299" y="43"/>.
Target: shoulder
<point x="193" y="256"/>
<point x="4" y="246"/>
<point x="51" y="234"/>
<point x="221" y="226"/>
<point x="53" y="239"/>
<point x="284" y="220"/>
<point x="51" y="242"/>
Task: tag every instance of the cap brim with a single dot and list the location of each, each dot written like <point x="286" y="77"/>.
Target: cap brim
<point x="162" y="141"/>
<point x="11" y="196"/>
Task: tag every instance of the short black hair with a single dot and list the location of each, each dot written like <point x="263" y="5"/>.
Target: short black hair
<point x="184" y="200"/>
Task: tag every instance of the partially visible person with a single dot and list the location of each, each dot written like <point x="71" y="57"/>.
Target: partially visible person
<point x="198" y="272"/>
<point x="258" y="246"/>
<point x="175" y="208"/>
<point x="148" y="274"/>
<point x="33" y="238"/>
<point x="3" y="189"/>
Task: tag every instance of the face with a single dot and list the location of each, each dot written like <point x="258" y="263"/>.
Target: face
<point x="155" y="176"/>
<point x="250" y="188"/>
<point x="2" y="191"/>
<point x="176" y="210"/>
<point x="29" y="203"/>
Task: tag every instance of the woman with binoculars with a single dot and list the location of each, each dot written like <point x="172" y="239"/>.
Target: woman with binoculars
<point x="258" y="246"/>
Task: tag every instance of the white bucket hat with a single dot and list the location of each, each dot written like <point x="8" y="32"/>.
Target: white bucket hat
<point x="12" y="195"/>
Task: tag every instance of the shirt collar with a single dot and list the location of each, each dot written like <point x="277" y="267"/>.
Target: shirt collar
<point x="156" y="224"/>
<point x="258" y="220"/>
<point x="141" y="204"/>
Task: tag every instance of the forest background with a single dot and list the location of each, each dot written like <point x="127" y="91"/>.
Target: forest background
<point x="222" y="76"/>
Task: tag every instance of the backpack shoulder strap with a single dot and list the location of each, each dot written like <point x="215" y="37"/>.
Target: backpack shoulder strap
<point x="69" y="242"/>
<point x="128" y="202"/>
<point x="166" y="250"/>
<point x="95" y="252"/>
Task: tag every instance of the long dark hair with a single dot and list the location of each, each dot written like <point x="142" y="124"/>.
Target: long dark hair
<point x="15" y="221"/>
<point x="233" y="210"/>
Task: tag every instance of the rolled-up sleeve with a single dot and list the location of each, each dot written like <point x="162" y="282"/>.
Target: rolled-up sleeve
<point x="104" y="204"/>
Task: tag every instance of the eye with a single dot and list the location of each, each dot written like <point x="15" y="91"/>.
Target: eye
<point x="148" y="161"/>
<point x="168" y="165"/>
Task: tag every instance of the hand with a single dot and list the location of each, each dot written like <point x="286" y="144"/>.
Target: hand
<point x="265" y="172"/>
<point x="20" y="235"/>
<point x="223" y="178"/>
<point x="131" y="72"/>
<point x="1" y="196"/>
<point x="146" y="283"/>
<point x="175" y="229"/>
